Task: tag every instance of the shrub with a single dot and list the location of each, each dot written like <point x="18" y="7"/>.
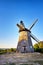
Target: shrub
<point x="38" y="47"/>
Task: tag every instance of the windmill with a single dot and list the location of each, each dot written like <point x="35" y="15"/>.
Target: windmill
<point x="25" y="35"/>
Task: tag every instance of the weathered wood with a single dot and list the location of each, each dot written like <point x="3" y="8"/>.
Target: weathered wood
<point x="24" y="43"/>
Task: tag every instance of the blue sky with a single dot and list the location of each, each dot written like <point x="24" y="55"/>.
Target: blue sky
<point x="11" y="12"/>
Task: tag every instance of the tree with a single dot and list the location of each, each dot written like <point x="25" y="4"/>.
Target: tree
<point x="40" y="44"/>
<point x="36" y="46"/>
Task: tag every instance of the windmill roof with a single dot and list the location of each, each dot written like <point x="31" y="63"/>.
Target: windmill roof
<point x="24" y="30"/>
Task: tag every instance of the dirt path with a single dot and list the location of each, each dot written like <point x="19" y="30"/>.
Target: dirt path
<point x="20" y="58"/>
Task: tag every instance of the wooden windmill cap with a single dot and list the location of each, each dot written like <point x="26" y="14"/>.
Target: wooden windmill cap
<point x="25" y="30"/>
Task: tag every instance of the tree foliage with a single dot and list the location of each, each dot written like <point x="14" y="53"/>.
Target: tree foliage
<point x="3" y="51"/>
<point x="38" y="47"/>
<point x="40" y="44"/>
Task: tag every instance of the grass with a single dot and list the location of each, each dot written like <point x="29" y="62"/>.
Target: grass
<point x="15" y="64"/>
<point x="23" y="64"/>
<point x="40" y="62"/>
<point x="26" y="64"/>
<point x="9" y="64"/>
<point x="12" y="64"/>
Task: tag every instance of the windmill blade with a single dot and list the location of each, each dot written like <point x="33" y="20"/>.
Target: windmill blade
<point x="34" y="37"/>
<point x="33" y="24"/>
<point x="21" y="22"/>
<point x="20" y="27"/>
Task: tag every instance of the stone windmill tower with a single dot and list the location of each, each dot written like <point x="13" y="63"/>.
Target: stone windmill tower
<point x="24" y="42"/>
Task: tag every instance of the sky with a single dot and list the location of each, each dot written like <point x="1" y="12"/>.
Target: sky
<point x="12" y="12"/>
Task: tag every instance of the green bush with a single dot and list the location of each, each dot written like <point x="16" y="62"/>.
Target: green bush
<point x="38" y="47"/>
<point x="3" y="51"/>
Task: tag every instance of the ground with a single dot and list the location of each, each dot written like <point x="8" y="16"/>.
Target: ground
<point x="21" y="59"/>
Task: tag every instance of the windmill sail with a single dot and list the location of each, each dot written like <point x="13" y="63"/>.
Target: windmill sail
<point x="20" y="27"/>
<point x="33" y="24"/>
<point x="34" y="37"/>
